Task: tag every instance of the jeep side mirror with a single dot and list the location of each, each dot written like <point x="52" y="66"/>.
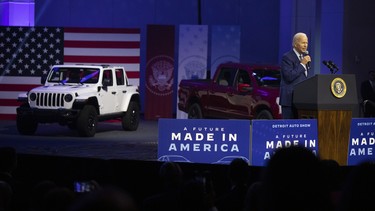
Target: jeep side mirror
<point x="244" y="87"/>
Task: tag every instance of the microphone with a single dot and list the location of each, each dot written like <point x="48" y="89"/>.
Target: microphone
<point x="308" y="63"/>
<point x="333" y="65"/>
<point x="328" y="64"/>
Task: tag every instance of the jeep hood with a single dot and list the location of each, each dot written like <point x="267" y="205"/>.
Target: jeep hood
<point x="65" y="89"/>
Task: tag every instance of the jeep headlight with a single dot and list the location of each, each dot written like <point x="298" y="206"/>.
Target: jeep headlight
<point x="68" y="98"/>
<point x="33" y="96"/>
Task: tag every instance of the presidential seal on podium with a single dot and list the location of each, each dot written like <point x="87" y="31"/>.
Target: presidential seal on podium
<point x="338" y="87"/>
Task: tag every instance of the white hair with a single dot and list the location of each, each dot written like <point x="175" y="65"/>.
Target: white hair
<point x="298" y="36"/>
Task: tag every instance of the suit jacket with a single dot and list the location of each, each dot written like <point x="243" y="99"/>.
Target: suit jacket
<point x="292" y="73"/>
<point x="367" y="92"/>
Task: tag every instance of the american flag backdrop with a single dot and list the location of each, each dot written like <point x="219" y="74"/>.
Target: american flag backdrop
<point x="26" y="53"/>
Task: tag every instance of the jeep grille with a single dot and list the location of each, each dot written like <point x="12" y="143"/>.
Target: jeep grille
<point x="50" y="99"/>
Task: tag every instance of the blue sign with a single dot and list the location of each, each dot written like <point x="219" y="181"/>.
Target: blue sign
<point x="269" y="135"/>
<point x="362" y="141"/>
<point x="203" y="140"/>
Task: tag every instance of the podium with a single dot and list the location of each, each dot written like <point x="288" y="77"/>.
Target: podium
<point x="330" y="99"/>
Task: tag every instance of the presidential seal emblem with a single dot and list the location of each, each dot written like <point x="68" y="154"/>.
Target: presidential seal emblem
<point x="338" y="87"/>
<point x="159" y="74"/>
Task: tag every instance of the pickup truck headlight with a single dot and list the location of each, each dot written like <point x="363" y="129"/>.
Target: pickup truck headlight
<point x="32" y="96"/>
<point x="68" y="98"/>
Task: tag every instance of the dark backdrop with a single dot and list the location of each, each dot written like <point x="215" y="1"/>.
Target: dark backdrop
<point x="339" y="30"/>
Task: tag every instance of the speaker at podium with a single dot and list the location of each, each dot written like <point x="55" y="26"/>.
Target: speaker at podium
<point x="331" y="100"/>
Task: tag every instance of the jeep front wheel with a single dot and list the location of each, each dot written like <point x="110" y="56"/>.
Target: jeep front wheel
<point x="26" y="126"/>
<point x="87" y="121"/>
<point x="130" y="120"/>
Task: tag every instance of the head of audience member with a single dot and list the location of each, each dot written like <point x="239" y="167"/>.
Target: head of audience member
<point x="38" y="192"/>
<point x="238" y="171"/>
<point x="293" y="181"/>
<point x="196" y="195"/>
<point x="58" y="199"/>
<point x="171" y="174"/>
<point x="107" y="198"/>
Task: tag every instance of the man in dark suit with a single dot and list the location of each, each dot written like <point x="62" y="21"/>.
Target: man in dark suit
<point x="368" y="95"/>
<point x="295" y="65"/>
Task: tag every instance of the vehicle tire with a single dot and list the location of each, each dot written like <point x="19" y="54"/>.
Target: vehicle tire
<point x="26" y="125"/>
<point x="130" y="120"/>
<point x="264" y="114"/>
<point x="87" y="121"/>
<point x="195" y="112"/>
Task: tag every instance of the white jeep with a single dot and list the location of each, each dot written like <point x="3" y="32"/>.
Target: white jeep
<point x="79" y="96"/>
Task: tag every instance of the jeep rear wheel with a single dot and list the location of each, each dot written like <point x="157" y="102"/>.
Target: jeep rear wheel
<point x="264" y="114"/>
<point x="130" y="120"/>
<point x="87" y="121"/>
<point x="26" y="125"/>
<point x="195" y="112"/>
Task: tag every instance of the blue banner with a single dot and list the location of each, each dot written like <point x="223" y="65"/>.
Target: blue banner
<point x="362" y="141"/>
<point x="203" y="140"/>
<point x="269" y="135"/>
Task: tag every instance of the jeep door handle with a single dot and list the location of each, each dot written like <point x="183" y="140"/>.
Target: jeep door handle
<point x="113" y="92"/>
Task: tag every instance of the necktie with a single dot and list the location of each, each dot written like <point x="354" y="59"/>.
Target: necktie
<point x="300" y="58"/>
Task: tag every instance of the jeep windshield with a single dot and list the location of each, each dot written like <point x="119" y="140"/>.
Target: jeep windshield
<point x="74" y="75"/>
<point x="267" y="77"/>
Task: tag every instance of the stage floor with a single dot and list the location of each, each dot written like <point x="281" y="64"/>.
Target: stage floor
<point x="110" y="141"/>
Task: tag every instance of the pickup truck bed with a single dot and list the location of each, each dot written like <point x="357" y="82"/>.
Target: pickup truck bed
<point x="237" y="91"/>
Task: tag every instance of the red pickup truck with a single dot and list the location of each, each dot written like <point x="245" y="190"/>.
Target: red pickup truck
<point x="237" y="91"/>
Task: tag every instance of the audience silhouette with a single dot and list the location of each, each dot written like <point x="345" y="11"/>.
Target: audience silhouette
<point x="358" y="191"/>
<point x="332" y="179"/>
<point x="6" y="195"/>
<point x="58" y="199"/>
<point x="253" y="197"/>
<point x="38" y="192"/>
<point x="107" y="198"/>
<point x="171" y="176"/>
<point x="293" y="181"/>
<point x="238" y="175"/>
<point x="198" y="194"/>
<point x="8" y="164"/>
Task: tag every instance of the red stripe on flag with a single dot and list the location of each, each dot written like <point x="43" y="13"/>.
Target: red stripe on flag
<point x="101" y="44"/>
<point x="9" y="102"/>
<point x="103" y="30"/>
<point x="132" y="74"/>
<point x="17" y="87"/>
<point x="102" y="59"/>
<point x="8" y="116"/>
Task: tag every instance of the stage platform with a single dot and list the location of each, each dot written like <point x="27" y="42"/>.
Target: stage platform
<point x="110" y="141"/>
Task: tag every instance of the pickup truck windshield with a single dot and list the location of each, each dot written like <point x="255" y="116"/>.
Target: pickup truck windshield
<point x="267" y="77"/>
<point x="74" y="75"/>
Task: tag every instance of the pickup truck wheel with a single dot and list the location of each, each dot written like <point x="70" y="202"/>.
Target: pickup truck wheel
<point x="26" y="126"/>
<point x="130" y="120"/>
<point x="195" y="112"/>
<point x="87" y="121"/>
<point x="264" y="114"/>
